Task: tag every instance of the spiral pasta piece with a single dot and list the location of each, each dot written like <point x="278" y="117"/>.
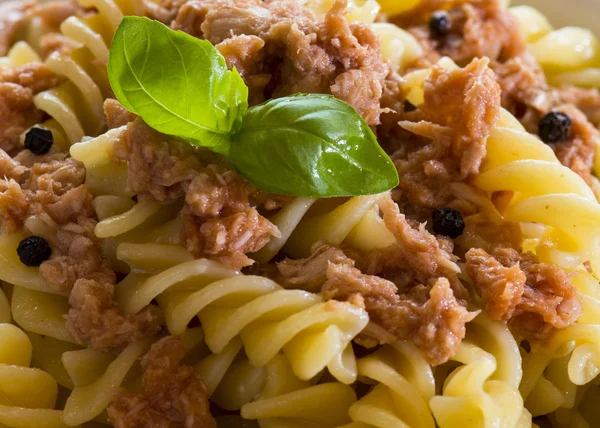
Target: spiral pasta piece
<point x="27" y="395"/>
<point x="313" y="334"/>
<point x="404" y="386"/>
<point x="569" y="55"/>
<point x="76" y="106"/>
<point x="94" y="391"/>
<point x="288" y="402"/>
<point x="483" y="391"/>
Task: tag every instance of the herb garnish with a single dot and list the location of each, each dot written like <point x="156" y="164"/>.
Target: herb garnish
<point x="302" y="145"/>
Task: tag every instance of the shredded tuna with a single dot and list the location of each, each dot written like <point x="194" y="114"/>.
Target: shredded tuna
<point x="579" y="152"/>
<point x="174" y="395"/>
<point x="463" y="105"/>
<point x="56" y="42"/>
<point x="157" y="167"/>
<point x="116" y="114"/>
<point x="17" y="111"/>
<point x="75" y="252"/>
<point x="480" y="28"/>
<point x="429" y="316"/>
<point x="444" y="140"/>
<point x="536" y="298"/>
<point x="246" y="54"/>
<point x="51" y="189"/>
<point x="218" y="191"/>
<point x="13" y="15"/>
<point x="55" y="12"/>
<point x="416" y="257"/>
<point x="95" y="320"/>
<point x="228" y="239"/>
<point x="311" y="273"/>
<point x="13" y="206"/>
<point x="281" y="48"/>
<point x="164" y="11"/>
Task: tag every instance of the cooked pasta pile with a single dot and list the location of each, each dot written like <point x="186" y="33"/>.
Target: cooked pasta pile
<point x="153" y="276"/>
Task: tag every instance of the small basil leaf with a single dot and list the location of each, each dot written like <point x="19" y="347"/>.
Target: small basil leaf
<point x="311" y="145"/>
<point x="178" y="84"/>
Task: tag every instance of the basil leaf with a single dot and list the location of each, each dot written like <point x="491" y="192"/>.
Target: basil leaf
<point x="178" y="84"/>
<point x="311" y="145"/>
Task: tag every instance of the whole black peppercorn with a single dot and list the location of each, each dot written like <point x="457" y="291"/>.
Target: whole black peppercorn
<point x="39" y="140"/>
<point x="554" y="127"/>
<point x="448" y="222"/>
<point x="439" y="24"/>
<point x="33" y="251"/>
<point x="408" y="106"/>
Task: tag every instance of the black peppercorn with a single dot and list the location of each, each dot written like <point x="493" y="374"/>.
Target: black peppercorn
<point x="408" y="106"/>
<point x="448" y="222"/>
<point x="554" y="127"/>
<point x="439" y="24"/>
<point x="39" y="140"/>
<point x="33" y="251"/>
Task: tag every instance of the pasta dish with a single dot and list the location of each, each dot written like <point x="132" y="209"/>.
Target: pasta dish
<point x="298" y="213"/>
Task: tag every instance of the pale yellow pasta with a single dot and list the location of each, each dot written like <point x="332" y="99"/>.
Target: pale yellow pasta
<point x="27" y="395"/>
<point x="569" y="55"/>
<point x="20" y="53"/>
<point x="483" y="391"/>
<point x="288" y="402"/>
<point x="404" y="386"/>
<point x="313" y="334"/>
<point x="77" y="104"/>
<point x="358" y="10"/>
<point x="397" y="45"/>
<point x="88" y="400"/>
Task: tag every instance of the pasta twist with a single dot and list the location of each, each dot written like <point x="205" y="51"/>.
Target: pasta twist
<point x="288" y="402"/>
<point x="96" y="377"/>
<point x="483" y="391"/>
<point x="27" y="395"/>
<point x="569" y="55"/>
<point x="313" y="334"/>
<point x="76" y="106"/>
<point x="404" y="386"/>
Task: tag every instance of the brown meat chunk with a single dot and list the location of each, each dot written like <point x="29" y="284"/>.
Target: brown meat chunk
<point x="536" y="298"/>
<point x="13" y="206"/>
<point x="50" y="186"/>
<point x="480" y="28"/>
<point x="500" y="287"/>
<point x="228" y="239"/>
<point x="56" y="42"/>
<point x="55" y="12"/>
<point x="174" y="395"/>
<point x="157" y="167"/>
<point x="164" y="11"/>
<point x="431" y="317"/>
<point x="95" y="320"/>
<point x="10" y="168"/>
<point x="218" y="191"/>
<point x="416" y="257"/>
<point x="247" y="55"/>
<point x="17" y="111"/>
<point x="76" y="254"/>
<point x="311" y="273"/>
<point x="579" y="151"/>
<point x="116" y="114"/>
<point x="465" y="105"/>
<point x="280" y="48"/>
<point x="51" y="190"/>
<point x="13" y="15"/>
<point x="443" y="141"/>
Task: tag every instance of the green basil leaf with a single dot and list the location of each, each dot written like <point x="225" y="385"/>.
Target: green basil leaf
<point x="311" y="145"/>
<point x="178" y="84"/>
